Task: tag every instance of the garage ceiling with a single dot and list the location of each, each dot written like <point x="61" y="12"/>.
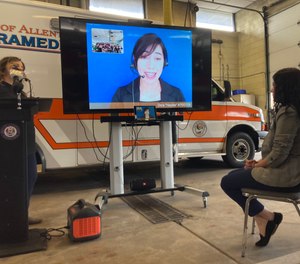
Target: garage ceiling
<point x="213" y="5"/>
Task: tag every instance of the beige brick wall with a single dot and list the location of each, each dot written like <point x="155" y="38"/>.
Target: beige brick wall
<point x="252" y="58"/>
<point x="251" y="49"/>
<point x="251" y="43"/>
<point x="225" y="58"/>
<point x="154" y="11"/>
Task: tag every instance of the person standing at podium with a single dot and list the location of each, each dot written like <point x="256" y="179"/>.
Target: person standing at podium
<point x="12" y="73"/>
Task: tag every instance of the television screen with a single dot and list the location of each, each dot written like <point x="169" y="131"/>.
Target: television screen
<point x="114" y="66"/>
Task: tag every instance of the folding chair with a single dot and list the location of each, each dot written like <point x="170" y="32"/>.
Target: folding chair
<point x="293" y="198"/>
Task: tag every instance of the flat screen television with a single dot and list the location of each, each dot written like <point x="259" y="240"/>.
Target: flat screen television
<point x="112" y="67"/>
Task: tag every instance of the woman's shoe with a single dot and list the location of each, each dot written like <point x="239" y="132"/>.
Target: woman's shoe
<point x="277" y="218"/>
<point x="270" y="230"/>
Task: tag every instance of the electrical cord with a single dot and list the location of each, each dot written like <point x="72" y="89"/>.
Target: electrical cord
<point x="59" y="232"/>
<point x="135" y="140"/>
<point x="94" y="137"/>
<point x="92" y="143"/>
<point x="133" y="136"/>
<point x="188" y="121"/>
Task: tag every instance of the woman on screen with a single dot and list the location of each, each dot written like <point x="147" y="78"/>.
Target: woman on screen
<point x="149" y="57"/>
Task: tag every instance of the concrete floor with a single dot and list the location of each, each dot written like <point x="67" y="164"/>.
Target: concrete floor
<point x="209" y="235"/>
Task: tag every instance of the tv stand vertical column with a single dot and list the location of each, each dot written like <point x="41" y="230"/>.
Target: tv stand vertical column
<point x="116" y="159"/>
<point x="166" y="155"/>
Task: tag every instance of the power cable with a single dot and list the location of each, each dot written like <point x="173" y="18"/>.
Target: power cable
<point x="49" y="233"/>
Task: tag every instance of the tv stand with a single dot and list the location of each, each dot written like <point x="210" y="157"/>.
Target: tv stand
<point x="116" y="157"/>
<point x="166" y="158"/>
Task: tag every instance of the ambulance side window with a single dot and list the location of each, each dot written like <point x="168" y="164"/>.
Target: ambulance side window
<point x="216" y="93"/>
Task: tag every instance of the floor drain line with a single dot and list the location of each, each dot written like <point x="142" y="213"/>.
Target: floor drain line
<point x="154" y="209"/>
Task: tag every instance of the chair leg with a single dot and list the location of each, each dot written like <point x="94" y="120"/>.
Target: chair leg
<point x="295" y="203"/>
<point x="253" y="226"/>
<point x="244" y="242"/>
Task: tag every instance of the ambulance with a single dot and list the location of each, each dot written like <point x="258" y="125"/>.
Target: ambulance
<point x="29" y="30"/>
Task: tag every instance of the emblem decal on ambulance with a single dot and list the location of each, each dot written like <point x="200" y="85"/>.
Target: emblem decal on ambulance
<point x="199" y="128"/>
<point x="10" y="131"/>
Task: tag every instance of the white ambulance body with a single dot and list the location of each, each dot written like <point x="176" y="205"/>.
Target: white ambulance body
<point x="27" y="31"/>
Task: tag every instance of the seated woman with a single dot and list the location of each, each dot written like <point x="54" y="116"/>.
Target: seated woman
<point x="279" y="168"/>
<point x="149" y="58"/>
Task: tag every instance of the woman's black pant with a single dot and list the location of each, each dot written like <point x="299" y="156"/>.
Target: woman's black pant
<point x="236" y="180"/>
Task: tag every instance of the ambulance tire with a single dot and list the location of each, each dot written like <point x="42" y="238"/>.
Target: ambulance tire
<point x="239" y="147"/>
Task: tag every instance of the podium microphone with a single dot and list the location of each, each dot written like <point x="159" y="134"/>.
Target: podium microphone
<point x="17" y="75"/>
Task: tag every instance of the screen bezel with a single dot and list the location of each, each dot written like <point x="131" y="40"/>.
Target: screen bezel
<point x="74" y="63"/>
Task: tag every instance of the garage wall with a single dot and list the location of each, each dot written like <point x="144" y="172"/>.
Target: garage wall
<point x="284" y="40"/>
<point x="225" y="63"/>
<point x="224" y="56"/>
<point x="154" y="12"/>
<point x="252" y="46"/>
<point x="251" y="51"/>
<point x="284" y="31"/>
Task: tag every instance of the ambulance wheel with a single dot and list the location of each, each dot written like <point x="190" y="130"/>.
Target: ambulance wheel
<point x="239" y="147"/>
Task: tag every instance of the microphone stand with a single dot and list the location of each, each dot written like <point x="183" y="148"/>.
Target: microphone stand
<point x="18" y="87"/>
<point x="19" y="101"/>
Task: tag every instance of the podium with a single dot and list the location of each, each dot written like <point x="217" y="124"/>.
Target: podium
<point x="15" y="237"/>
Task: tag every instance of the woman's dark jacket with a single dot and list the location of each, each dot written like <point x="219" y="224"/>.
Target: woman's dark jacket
<point x="131" y="92"/>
